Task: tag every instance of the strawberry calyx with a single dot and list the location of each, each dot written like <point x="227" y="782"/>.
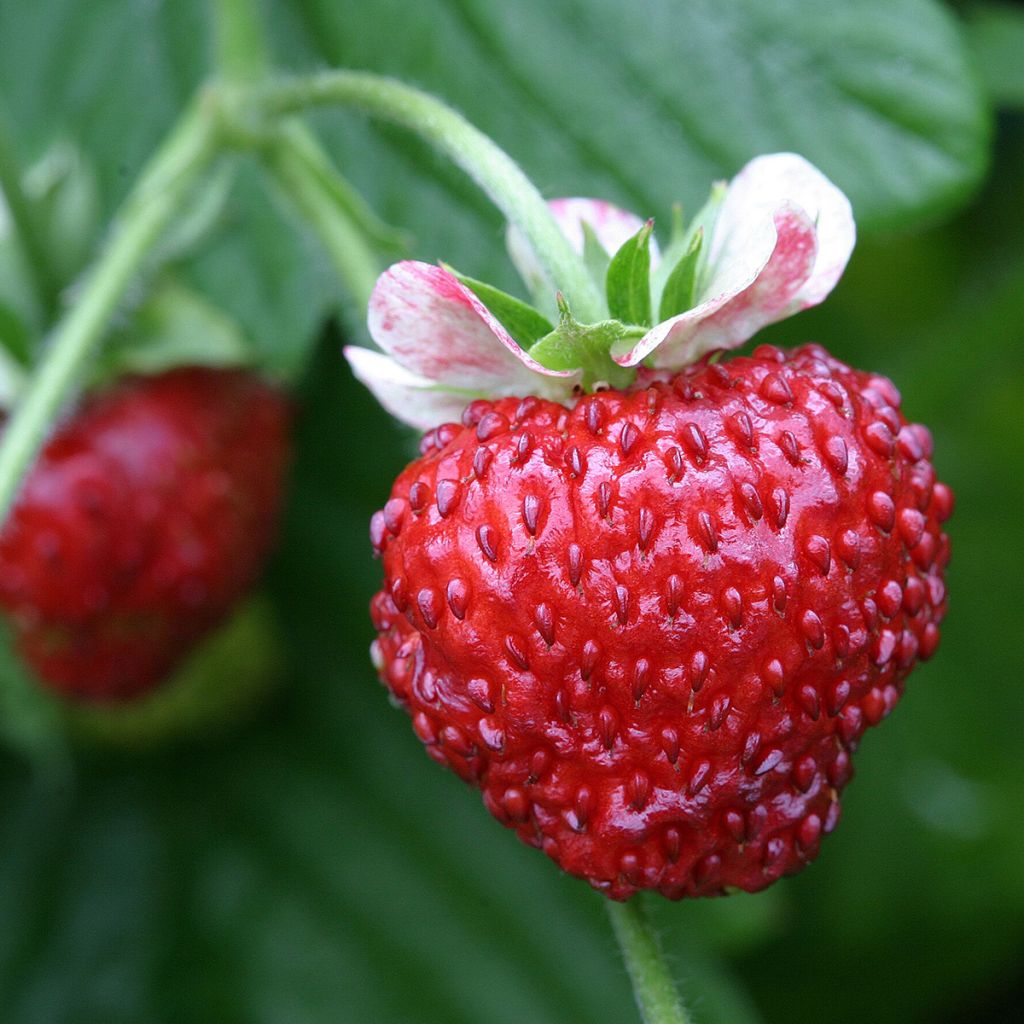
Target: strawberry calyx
<point x="772" y="242"/>
<point x="587" y="347"/>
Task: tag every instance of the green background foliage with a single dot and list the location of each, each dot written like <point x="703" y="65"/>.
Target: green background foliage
<point x="314" y="866"/>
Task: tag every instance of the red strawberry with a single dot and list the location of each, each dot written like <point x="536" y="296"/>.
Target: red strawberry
<point x="148" y="515"/>
<point x="653" y="627"/>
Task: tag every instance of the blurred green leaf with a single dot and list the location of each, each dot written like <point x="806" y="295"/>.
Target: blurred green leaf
<point x="996" y="34"/>
<point x="173" y="327"/>
<point x="15" y="349"/>
<point x="29" y="719"/>
<point x="317" y="867"/>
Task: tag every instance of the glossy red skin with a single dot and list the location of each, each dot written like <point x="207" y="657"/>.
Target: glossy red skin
<point x="675" y="706"/>
<point x="149" y="513"/>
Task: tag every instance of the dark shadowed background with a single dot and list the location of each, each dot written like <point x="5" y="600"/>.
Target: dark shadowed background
<point x="313" y="866"/>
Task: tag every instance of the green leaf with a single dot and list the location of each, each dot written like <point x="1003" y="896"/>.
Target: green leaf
<point x="217" y="686"/>
<point x="521" y="320"/>
<point x="996" y="33"/>
<point x="681" y="285"/>
<point x="317" y="867"/>
<point x="12" y="369"/>
<point x="878" y="93"/>
<point x="628" y="284"/>
<point x="174" y="327"/>
<point x="15" y="338"/>
<point x="30" y="721"/>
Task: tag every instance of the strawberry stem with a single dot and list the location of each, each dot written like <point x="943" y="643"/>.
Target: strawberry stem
<point x="242" y="53"/>
<point x="294" y="158"/>
<point x="157" y="196"/>
<point x="482" y="159"/>
<point x="653" y="987"/>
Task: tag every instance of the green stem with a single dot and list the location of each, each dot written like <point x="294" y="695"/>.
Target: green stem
<point x="27" y="227"/>
<point x="147" y="210"/>
<point x="243" y="56"/>
<point x="655" y="991"/>
<point x="305" y="175"/>
<point x="485" y="162"/>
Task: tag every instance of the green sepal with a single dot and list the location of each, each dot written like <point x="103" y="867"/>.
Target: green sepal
<point x="595" y="256"/>
<point x="681" y="241"/>
<point x="174" y="326"/>
<point x="681" y="286"/>
<point x="628" y="282"/>
<point x="587" y="347"/>
<point x="521" y="320"/>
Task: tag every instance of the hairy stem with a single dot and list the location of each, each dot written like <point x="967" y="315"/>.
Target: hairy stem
<point x="243" y="56"/>
<point x="27" y="228"/>
<point x="655" y="991"/>
<point x="153" y="202"/>
<point x="485" y="162"/>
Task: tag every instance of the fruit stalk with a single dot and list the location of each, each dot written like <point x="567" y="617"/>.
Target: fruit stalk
<point x="292" y="155"/>
<point x="148" y="209"/>
<point x="653" y="987"/>
<point x="242" y="52"/>
<point x="484" y="161"/>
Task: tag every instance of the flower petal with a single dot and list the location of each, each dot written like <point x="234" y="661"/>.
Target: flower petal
<point x="410" y="398"/>
<point x="779" y="244"/>
<point x="438" y="330"/>
<point x="612" y="225"/>
<point x="769" y="182"/>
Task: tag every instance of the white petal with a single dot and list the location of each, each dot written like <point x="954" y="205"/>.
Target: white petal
<point x="612" y="225"/>
<point x="412" y="399"/>
<point x="438" y="329"/>
<point x="754" y="285"/>
<point x="769" y="182"/>
<point x="779" y="244"/>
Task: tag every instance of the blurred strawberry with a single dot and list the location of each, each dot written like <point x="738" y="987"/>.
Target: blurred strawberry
<point x="148" y="515"/>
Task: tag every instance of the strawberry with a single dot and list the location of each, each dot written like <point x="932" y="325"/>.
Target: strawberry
<point x="652" y="628"/>
<point x="651" y="622"/>
<point x="148" y="515"/>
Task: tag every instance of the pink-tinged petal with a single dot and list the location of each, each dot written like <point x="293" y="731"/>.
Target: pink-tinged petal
<point x="412" y="399"/>
<point x="779" y="243"/>
<point x="769" y="182"/>
<point x="756" y="284"/>
<point x="612" y="225"/>
<point x="438" y="330"/>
